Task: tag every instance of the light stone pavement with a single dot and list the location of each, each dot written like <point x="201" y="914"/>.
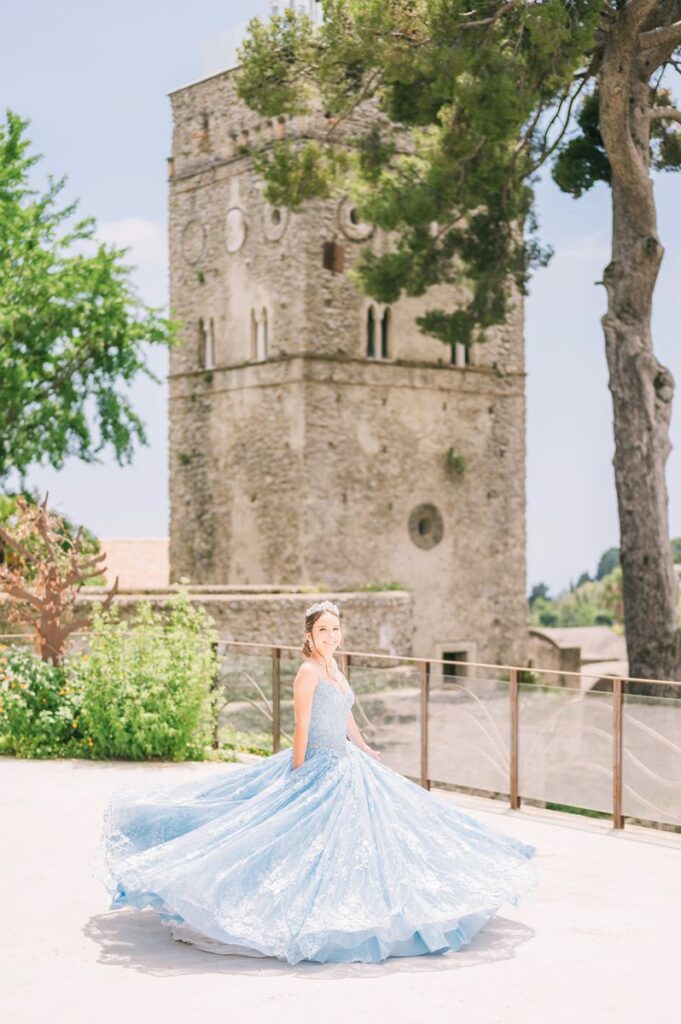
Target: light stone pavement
<point x="598" y="941"/>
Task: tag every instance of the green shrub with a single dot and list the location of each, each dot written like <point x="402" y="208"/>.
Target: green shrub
<point x="148" y="681"/>
<point x="40" y="708"/>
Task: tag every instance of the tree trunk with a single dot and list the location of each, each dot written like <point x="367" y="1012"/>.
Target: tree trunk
<point x="642" y="389"/>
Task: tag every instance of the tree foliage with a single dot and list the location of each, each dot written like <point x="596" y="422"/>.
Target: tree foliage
<point x="439" y="113"/>
<point x="73" y="331"/>
<point x="433" y="111"/>
<point x="582" y="160"/>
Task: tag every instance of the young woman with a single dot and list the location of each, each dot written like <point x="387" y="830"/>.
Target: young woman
<point x="319" y="852"/>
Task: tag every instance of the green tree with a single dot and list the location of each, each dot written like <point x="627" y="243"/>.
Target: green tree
<point x="539" y="591"/>
<point x="439" y="113"/>
<point x="73" y="331"/>
<point x="608" y="561"/>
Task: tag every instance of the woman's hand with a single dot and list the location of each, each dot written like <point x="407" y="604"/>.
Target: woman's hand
<point x="376" y="754"/>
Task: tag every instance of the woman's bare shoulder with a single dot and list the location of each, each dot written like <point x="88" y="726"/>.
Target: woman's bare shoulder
<point x="307" y="674"/>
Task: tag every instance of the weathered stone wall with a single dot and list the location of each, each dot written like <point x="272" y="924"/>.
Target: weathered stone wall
<point x="305" y="468"/>
<point x="376" y="622"/>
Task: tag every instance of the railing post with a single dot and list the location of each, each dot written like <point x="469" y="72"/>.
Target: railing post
<point x="513" y="745"/>
<point x="617" y="737"/>
<point x="345" y="665"/>
<point x="276" y="699"/>
<point x="425" y="689"/>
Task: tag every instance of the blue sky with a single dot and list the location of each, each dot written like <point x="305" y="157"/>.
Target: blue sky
<point x="93" y="80"/>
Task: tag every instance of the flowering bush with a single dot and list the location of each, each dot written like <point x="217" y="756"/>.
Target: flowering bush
<point x="147" y="682"/>
<point x="40" y="708"/>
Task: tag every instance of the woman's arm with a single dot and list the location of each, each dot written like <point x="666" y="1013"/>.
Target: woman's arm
<point x="304" y="686"/>
<point x="353" y="733"/>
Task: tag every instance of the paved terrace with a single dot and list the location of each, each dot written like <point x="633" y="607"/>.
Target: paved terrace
<point x="599" y="939"/>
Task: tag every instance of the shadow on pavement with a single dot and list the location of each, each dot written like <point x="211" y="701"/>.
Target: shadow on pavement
<point x="138" y="940"/>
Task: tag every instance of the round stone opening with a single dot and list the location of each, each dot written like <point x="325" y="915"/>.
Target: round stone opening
<point x="425" y="526"/>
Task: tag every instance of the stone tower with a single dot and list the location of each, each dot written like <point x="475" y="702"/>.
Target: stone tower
<point x="316" y="437"/>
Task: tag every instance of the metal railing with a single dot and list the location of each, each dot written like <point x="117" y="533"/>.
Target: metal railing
<point x="516" y="679"/>
<point x="466" y="717"/>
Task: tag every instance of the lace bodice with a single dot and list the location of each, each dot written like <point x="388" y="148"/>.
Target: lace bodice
<point x="328" y="719"/>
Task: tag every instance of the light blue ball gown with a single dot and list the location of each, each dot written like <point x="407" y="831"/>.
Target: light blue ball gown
<point x="340" y="859"/>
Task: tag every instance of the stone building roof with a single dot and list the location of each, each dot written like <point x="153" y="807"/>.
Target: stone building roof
<point x="597" y="643"/>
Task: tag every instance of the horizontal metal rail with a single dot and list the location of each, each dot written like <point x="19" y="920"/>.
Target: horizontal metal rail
<point x="514" y="681"/>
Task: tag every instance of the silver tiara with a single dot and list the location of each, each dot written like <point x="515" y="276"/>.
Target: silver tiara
<point x="322" y="606"/>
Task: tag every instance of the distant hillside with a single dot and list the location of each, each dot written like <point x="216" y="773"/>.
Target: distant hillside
<point x="591" y="601"/>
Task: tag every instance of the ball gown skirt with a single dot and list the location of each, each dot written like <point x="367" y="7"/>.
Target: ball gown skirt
<point x="341" y="859"/>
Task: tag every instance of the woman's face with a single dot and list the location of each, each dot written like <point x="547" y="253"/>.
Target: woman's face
<point x="326" y="633"/>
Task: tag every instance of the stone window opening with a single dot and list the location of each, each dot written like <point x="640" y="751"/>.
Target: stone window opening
<point x="259" y="334"/>
<point x="378" y="330"/>
<point x="457" y="653"/>
<point x="206" y="344"/>
<point x="460" y="354"/>
<point x="425" y="526"/>
<point x="385" y="334"/>
<point x="263" y="334"/>
<point x="210" y="347"/>
<point x="371" y="333"/>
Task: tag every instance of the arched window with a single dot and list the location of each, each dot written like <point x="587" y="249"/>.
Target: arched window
<point x="263" y="334"/>
<point x="460" y="354"/>
<point x="371" y="333"/>
<point x="206" y="344"/>
<point x="259" y="335"/>
<point x="202" y="344"/>
<point x="385" y="334"/>
<point x="210" y="348"/>
<point x="254" y="335"/>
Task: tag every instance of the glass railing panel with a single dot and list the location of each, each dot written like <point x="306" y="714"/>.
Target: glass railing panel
<point x="651" y="758"/>
<point x="468" y="728"/>
<point x="565" y="745"/>
<point x="387" y="710"/>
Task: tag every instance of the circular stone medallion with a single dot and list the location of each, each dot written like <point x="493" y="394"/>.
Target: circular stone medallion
<point x="235" y="229"/>
<point x="348" y="221"/>
<point x="193" y="241"/>
<point x="274" y="222"/>
<point x="425" y="526"/>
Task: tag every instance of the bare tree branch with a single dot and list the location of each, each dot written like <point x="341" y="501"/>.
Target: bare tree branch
<point x="45" y="595"/>
<point x="668" y="112"/>
<point x="20" y="593"/>
<point x="663" y="35"/>
<point x="547" y="149"/>
<point x="483" y="22"/>
<point x="7" y="539"/>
